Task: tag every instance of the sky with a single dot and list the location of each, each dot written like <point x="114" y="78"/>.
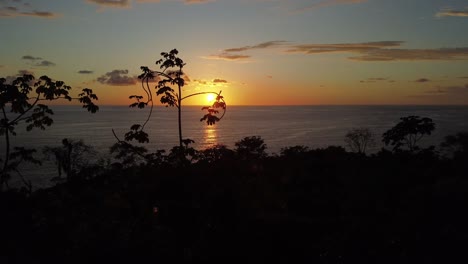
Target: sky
<point x="258" y="52"/>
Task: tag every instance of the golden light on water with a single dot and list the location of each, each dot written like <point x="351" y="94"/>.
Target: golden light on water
<point x="211" y="136"/>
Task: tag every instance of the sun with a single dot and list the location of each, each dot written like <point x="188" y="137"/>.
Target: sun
<point x="210" y="98"/>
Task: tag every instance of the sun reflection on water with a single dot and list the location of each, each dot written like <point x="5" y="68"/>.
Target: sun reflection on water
<point x="211" y="136"/>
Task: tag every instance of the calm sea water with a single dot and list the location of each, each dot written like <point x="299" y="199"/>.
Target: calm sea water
<point x="279" y="126"/>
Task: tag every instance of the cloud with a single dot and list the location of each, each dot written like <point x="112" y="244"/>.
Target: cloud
<point x="219" y="81"/>
<point x="264" y="45"/>
<point x="229" y="54"/>
<point x="413" y="54"/>
<point x="452" y="13"/>
<point x="85" y="72"/>
<point x="10" y="9"/>
<point x="463" y="77"/>
<point x="189" y="2"/>
<point x="111" y="3"/>
<point x="325" y="3"/>
<point x="117" y="78"/>
<point x="342" y="47"/>
<point x="29" y="57"/>
<point x="45" y="63"/>
<point x="38" y="61"/>
<point x="383" y="51"/>
<point x="128" y="3"/>
<point x="228" y="57"/>
<point x="422" y="80"/>
<point x="365" y="51"/>
<point x="374" y="79"/>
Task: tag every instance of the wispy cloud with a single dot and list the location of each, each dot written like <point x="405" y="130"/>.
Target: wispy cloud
<point x="111" y="3"/>
<point x="15" y="8"/>
<point x="32" y="58"/>
<point x="365" y="51"/>
<point x="219" y="81"/>
<point x="117" y="78"/>
<point x="38" y="61"/>
<point x="128" y="3"/>
<point x="198" y="1"/>
<point x="452" y="13"/>
<point x="228" y="57"/>
<point x="230" y="53"/>
<point x="45" y="63"/>
<point x="443" y="54"/>
<point x="264" y="45"/>
<point x="422" y="80"/>
<point x="375" y="79"/>
<point x="342" y="47"/>
<point x="85" y="72"/>
<point x="325" y="3"/>
<point x="383" y="51"/>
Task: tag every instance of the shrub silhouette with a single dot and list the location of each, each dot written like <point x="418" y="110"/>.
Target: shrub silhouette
<point x="26" y="106"/>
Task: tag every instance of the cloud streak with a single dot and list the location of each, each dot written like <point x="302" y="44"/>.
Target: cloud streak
<point x="452" y="13"/>
<point x="38" y="61"/>
<point x="85" y="72"/>
<point x="11" y="9"/>
<point x="128" y="3"/>
<point x="326" y="3"/>
<point x="364" y="52"/>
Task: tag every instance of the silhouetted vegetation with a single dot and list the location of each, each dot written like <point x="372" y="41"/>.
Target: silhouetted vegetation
<point x="359" y="139"/>
<point x="221" y="205"/>
<point x="26" y="102"/>
<point x="170" y="74"/>
<point x="304" y="205"/>
<point x="408" y="132"/>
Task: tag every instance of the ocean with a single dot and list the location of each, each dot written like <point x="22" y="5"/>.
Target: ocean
<point x="279" y="126"/>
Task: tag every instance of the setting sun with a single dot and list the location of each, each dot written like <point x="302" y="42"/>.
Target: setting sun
<point x="210" y="98"/>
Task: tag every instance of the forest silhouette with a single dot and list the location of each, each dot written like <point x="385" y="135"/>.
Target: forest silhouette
<point x="403" y="204"/>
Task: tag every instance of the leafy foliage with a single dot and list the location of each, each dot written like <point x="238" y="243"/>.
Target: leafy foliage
<point x="251" y="148"/>
<point x="21" y="99"/>
<point x="170" y="80"/>
<point x="408" y="132"/>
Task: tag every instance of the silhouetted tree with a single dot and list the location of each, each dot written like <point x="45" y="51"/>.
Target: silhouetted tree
<point x="456" y="144"/>
<point x="358" y="139"/>
<point x="171" y="74"/>
<point x="24" y="104"/>
<point x="408" y="132"/>
<point x="216" y="153"/>
<point x="251" y="148"/>
<point x="72" y="157"/>
<point x="294" y="152"/>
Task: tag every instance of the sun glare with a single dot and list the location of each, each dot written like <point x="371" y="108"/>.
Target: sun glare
<point x="210" y="98"/>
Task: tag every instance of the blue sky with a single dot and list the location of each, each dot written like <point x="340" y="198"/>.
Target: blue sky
<point x="258" y="51"/>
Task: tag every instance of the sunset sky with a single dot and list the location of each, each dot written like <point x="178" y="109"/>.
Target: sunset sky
<point x="259" y="52"/>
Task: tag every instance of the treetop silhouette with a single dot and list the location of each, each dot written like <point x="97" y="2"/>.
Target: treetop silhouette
<point x="170" y="80"/>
